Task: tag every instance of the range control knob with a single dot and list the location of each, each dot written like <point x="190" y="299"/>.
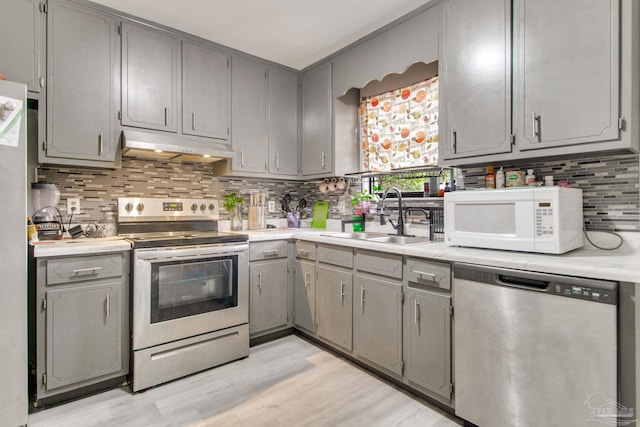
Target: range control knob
<point x="128" y="207"/>
<point x="203" y="207"/>
<point x="140" y="207"/>
<point x="194" y="207"/>
<point x="212" y="207"/>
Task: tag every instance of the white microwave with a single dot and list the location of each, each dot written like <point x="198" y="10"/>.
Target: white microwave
<point x="530" y="219"/>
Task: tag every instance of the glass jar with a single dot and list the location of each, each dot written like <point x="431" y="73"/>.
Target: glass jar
<point x="109" y="224"/>
<point x="236" y="217"/>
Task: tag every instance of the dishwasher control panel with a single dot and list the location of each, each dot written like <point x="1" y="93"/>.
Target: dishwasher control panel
<point x="607" y="296"/>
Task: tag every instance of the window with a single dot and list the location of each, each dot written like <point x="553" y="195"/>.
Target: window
<point x="399" y="128"/>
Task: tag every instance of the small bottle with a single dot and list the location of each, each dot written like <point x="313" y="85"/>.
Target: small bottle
<point x="459" y="181"/>
<point x="32" y="231"/>
<point x="530" y="179"/>
<point x="548" y="181"/>
<point x="500" y="178"/>
<point x="425" y="192"/>
<point x="490" y="178"/>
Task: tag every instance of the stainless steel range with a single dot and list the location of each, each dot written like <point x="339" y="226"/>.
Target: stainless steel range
<point x="190" y="288"/>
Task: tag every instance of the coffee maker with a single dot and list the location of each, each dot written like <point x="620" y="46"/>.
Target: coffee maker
<point x="46" y="217"/>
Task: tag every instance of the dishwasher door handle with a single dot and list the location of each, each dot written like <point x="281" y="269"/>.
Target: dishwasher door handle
<point x="522" y="282"/>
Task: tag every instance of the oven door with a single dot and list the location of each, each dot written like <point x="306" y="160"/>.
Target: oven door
<point x="179" y="292"/>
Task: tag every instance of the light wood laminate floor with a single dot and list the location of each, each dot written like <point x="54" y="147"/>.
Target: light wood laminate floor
<point x="286" y="382"/>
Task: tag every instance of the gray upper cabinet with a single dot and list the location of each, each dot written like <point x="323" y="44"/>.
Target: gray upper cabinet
<point x="83" y="333"/>
<point x="150" y="76"/>
<point x="283" y="123"/>
<point x="334" y="308"/>
<point x="429" y="341"/>
<point x="317" y="131"/>
<point x="475" y="78"/>
<point x="205" y="92"/>
<point x="22" y="30"/>
<point x="567" y="67"/>
<point x="83" y="86"/>
<point x="305" y="295"/>
<point x="268" y="289"/>
<point x="377" y="325"/>
<point x="249" y="116"/>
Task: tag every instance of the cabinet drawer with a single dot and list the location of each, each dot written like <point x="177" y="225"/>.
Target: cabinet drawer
<point x="267" y="250"/>
<point x="379" y="263"/>
<point x="75" y="269"/>
<point x="335" y="255"/>
<point x="428" y="273"/>
<point x="306" y="250"/>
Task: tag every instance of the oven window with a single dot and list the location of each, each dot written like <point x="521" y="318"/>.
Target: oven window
<point x="186" y="288"/>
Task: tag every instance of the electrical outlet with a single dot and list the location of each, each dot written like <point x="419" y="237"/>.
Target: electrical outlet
<point x="271" y="206"/>
<point x="73" y="206"/>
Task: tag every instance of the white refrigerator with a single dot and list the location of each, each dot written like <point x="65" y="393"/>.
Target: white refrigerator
<point x="13" y="254"/>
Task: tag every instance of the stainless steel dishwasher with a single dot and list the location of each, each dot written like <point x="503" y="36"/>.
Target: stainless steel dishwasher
<point x="533" y="349"/>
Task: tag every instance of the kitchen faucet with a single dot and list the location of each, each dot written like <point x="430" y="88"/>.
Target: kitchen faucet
<point x="399" y="227"/>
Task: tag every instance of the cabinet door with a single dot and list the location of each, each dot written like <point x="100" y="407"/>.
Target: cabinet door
<point x="22" y="34"/>
<point x="378" y="322"/>
<point x="83" y="335"/>
<point x="567" y="71"/>
<point x="150" y="75"/>
<point x="249" y="116"/>
<point x="283" y="123"/>
<point x="205" y="92"/>
<point x="305" y="295"/>
<point x="82" y="91"/>
<point x="317" y="132"/>
<point x="268" y="296"/>
<point x="334" y="295"/>
<point x="476" y="78"/>
<point x="429" y="341"/>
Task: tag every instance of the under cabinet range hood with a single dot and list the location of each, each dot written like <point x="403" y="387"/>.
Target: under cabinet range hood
<point x="150" y="145"/>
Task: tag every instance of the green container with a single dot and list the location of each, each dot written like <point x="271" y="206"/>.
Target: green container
<point x="357" y="226"/>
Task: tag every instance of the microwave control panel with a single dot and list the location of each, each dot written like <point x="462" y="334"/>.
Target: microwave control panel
<point x="544" y="219"/>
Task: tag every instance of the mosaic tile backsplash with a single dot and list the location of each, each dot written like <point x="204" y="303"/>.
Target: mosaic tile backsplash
<point x="610" y="186"/>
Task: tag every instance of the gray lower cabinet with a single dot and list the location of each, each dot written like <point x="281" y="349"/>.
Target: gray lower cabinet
<point x="334" y="305"/>
<point x="305" y="295"/>
<point x="22" y="30"/>
<point x="150" y="76"/>
<point x="206" y="79"/>
<point x="268" y="296"/>
<point x="475" y="78"/>
<point x="81" y="311"/>
<point x="377" y="323"/>
<point x="428" y="359"/>
<point x="83" y="87"/>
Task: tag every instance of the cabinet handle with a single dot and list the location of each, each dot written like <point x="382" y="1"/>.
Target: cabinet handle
<point x="108" y="306"/>
<point x="193" y="121"/>
<point x="324" y="160"/>
<point x="535" y="126"/>
<point x="307" y="281"/>
<point x="166" y="116"/>
<point x="302" y="252"/>
<point x="242" y="158"/>
<point x="423" y="273"/>
<point x="416" y="311"/>
<point x="260" y="281"/>
<point x="454" y="140"/>
<point x="273" y="252"/>
<point x="362" y="300"/>
<point x="277" y="161"/>
<point x="100" y="143"/>
<point x="87" y="270"/>
<point x="342" y="290"/>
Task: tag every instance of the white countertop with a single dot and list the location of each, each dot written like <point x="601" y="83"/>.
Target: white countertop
<point x="622" y="264"/>
<point x="81" y="246"/>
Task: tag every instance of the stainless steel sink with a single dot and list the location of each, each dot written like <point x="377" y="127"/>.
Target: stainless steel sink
<point x="356" y="236"/>
<point x="400" y="240"/>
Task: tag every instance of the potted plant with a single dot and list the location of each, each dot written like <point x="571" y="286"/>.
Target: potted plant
<point x="233" y="204"/>
<point x="363" y="202"/>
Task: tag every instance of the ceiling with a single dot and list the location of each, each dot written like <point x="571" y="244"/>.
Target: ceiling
<point x="296" y="33"/>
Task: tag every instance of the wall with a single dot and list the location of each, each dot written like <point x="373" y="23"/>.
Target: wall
<point x="610" y="186"/>
<point x="99" y="189"/>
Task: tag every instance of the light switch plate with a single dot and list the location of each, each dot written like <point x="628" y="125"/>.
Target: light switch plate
<point x="271" y="207"/>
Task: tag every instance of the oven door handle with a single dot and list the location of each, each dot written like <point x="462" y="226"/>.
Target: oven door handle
<point x="189" y="252"/>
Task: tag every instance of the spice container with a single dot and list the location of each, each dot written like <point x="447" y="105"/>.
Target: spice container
<point x="514" y="178"/>
<point x="500" y="179"/>
<point x="530" y="179"/>
<point x="490" y="178"/>
<point x="548" y="181"/>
